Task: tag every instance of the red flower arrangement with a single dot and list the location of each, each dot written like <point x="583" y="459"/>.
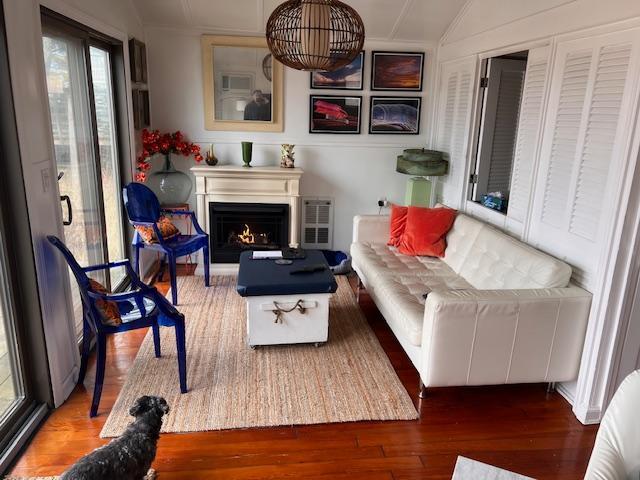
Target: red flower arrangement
<point x="165" y="143"/>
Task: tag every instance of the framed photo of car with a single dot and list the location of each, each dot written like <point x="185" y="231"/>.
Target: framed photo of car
<point x="335" y="114"/>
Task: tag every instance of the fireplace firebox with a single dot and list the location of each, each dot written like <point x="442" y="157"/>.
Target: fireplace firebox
<point x="236" y="227"/>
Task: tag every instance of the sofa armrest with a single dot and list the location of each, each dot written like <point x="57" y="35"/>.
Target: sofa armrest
<point x="487" y="337"/>
<point x="371" y="228"/>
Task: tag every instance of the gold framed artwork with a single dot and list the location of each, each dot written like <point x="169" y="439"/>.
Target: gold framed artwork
<point x="243" y="85"/>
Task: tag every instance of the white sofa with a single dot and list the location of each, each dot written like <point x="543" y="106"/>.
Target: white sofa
<point x="497" y="310"/>
<point x="616" y="453"/>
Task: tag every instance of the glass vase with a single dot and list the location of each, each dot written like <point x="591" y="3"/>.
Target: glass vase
<point x="170" y="185"/>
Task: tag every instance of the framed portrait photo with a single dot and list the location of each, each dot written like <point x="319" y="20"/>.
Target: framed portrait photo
<point x="335" y="114"/>
<point x="397" y="71"/>
<point x="349" y="77"/>
<point x="395" y="115"/>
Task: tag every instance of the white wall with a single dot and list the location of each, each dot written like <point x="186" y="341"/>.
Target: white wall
<point x="353" y="169"/>
<point x="484" y="25"/>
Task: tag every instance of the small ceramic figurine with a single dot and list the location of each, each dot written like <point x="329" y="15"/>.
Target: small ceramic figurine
<point x="210" y="157"/>
<point x="286" y="155"/>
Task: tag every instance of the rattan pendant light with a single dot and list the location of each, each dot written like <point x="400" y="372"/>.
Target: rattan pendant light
<point x="317" y="35"/>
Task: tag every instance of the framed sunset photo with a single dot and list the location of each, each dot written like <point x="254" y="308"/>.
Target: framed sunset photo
<point x="397" y="71"/>
<point x="334" y="114"/>
<point x="349" y="77"/>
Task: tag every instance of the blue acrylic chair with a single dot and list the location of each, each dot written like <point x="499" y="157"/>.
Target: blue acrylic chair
<point x="141" y="307"/>
<point x="143" y="209"/>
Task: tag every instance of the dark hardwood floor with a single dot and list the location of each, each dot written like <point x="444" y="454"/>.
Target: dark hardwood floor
<point x="517" y="427"/>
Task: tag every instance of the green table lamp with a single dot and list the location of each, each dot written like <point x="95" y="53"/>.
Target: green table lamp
<point x="421" y="163"/>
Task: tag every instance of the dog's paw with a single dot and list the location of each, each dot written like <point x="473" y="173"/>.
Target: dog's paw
<point x="151" y="475"/>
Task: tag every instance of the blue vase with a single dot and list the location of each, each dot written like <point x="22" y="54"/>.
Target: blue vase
<point x="170" y="185"/>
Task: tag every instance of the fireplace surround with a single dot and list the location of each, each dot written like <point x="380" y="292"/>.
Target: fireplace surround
<point x="233" y="184"/>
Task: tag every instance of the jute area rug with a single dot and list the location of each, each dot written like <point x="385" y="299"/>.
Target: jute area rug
<point x="348" y="379"/>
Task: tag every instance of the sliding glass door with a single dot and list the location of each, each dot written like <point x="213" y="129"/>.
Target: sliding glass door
<point x="79" y="70"/>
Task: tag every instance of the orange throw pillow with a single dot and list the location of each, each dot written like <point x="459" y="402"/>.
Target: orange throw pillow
<point x="398" y="224"/>
<point x="107" y="308"/>
<point x="425" y="232"/>
<point x="167" y="229"/>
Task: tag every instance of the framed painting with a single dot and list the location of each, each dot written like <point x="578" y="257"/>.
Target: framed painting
<point x="138" y="61"/>
<point x="395" y="115"/>
<point x="335" y="114"/>
<point x="397" y="71"/>
<point x="349" y="77"/>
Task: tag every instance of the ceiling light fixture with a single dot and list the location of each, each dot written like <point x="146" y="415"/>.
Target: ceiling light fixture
<point x="319" y="35"/>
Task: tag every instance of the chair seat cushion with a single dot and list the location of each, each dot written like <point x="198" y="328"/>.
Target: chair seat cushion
<point x="400" y="282"/>
<point x="109" y="312"/>
<point x="166" y="228"/>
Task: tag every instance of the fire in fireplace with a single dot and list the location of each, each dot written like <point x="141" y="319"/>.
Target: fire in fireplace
<point x="236" y="227"/>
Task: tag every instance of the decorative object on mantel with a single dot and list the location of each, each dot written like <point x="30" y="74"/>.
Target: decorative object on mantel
<point x="170" y="185"/>
<point x="210" y="157"/>
<point x="315" y="34"/>
<point x="286" y="155"/>
<point x="421" y="163"/>
<point x="247" y="151"/>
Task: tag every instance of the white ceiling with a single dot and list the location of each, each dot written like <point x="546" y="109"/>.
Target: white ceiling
<point x="384" y="20"/>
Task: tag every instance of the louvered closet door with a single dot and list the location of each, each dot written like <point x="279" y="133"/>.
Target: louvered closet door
<point x="527" y="138"/>
<point x="586" y="134"/>
<point x="453" y="120"/>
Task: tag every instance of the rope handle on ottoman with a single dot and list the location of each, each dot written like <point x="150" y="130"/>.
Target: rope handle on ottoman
<point x="279" y="310"/>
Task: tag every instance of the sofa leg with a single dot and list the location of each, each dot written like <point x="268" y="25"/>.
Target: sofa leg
<point x="358" y="289"/>
<point x="422" y="392"/>
<point x="551" y="387"/>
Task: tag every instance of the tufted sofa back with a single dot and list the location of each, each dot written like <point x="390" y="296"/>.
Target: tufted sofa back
<point x="489" y="259"/>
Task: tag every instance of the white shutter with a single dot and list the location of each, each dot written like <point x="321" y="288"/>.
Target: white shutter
<point x="453" y="120"/>
<point x="583" y="148"/>
<point x="529" y="129"/>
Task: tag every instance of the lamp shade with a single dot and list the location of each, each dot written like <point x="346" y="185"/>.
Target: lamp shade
<point x="318" y="35"/>
<point x="422" y="163"/>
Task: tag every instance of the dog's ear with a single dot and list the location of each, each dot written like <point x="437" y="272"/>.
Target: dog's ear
<point x="141" y="405"/>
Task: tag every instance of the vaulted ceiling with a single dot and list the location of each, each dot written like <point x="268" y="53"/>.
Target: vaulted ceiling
<point x="385" y="20"/>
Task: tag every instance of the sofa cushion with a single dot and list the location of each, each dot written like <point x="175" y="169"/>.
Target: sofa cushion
<point x="397" y="224"/>
<point x="490" y="259"/>
<point x="400" y="282"/>
<point x="425" y="231"/>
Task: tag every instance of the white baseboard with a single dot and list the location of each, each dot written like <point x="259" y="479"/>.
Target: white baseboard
<point x="587" y="415"/>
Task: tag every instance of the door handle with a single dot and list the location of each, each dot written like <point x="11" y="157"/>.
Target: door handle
<point x="65" y="198"/>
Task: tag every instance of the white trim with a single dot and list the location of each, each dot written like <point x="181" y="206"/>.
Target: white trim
<point x="455" y="22"/>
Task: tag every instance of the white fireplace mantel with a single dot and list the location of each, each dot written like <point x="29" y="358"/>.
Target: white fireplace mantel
<point x="231" y="183"/>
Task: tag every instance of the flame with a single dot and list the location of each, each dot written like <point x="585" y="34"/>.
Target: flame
<point x="246" y="236"/>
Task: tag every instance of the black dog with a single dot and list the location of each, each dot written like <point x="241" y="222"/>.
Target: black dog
<point x="129" y="456"/>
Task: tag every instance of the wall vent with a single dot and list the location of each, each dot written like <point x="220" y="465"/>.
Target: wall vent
<point x="317" y="223"/>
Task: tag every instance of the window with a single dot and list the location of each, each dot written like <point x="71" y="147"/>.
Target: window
<point x="501" y="84"/>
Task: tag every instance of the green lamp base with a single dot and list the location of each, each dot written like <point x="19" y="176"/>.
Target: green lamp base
<point x="418" y="192"/>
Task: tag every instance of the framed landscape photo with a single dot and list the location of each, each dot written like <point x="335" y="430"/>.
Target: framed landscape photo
<point x="349" y="77"/>
<point x="397" y="71"/>
<point x="395" y="115"/>
<point x="335" y="114"/>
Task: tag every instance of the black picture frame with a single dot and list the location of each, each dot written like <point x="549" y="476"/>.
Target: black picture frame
<point x="395" y="126"/>
<point x="313" y="85"/>
<point x="335" y="125"/>
<point x="138" y="61"/>
<point x="393" y="82"/>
